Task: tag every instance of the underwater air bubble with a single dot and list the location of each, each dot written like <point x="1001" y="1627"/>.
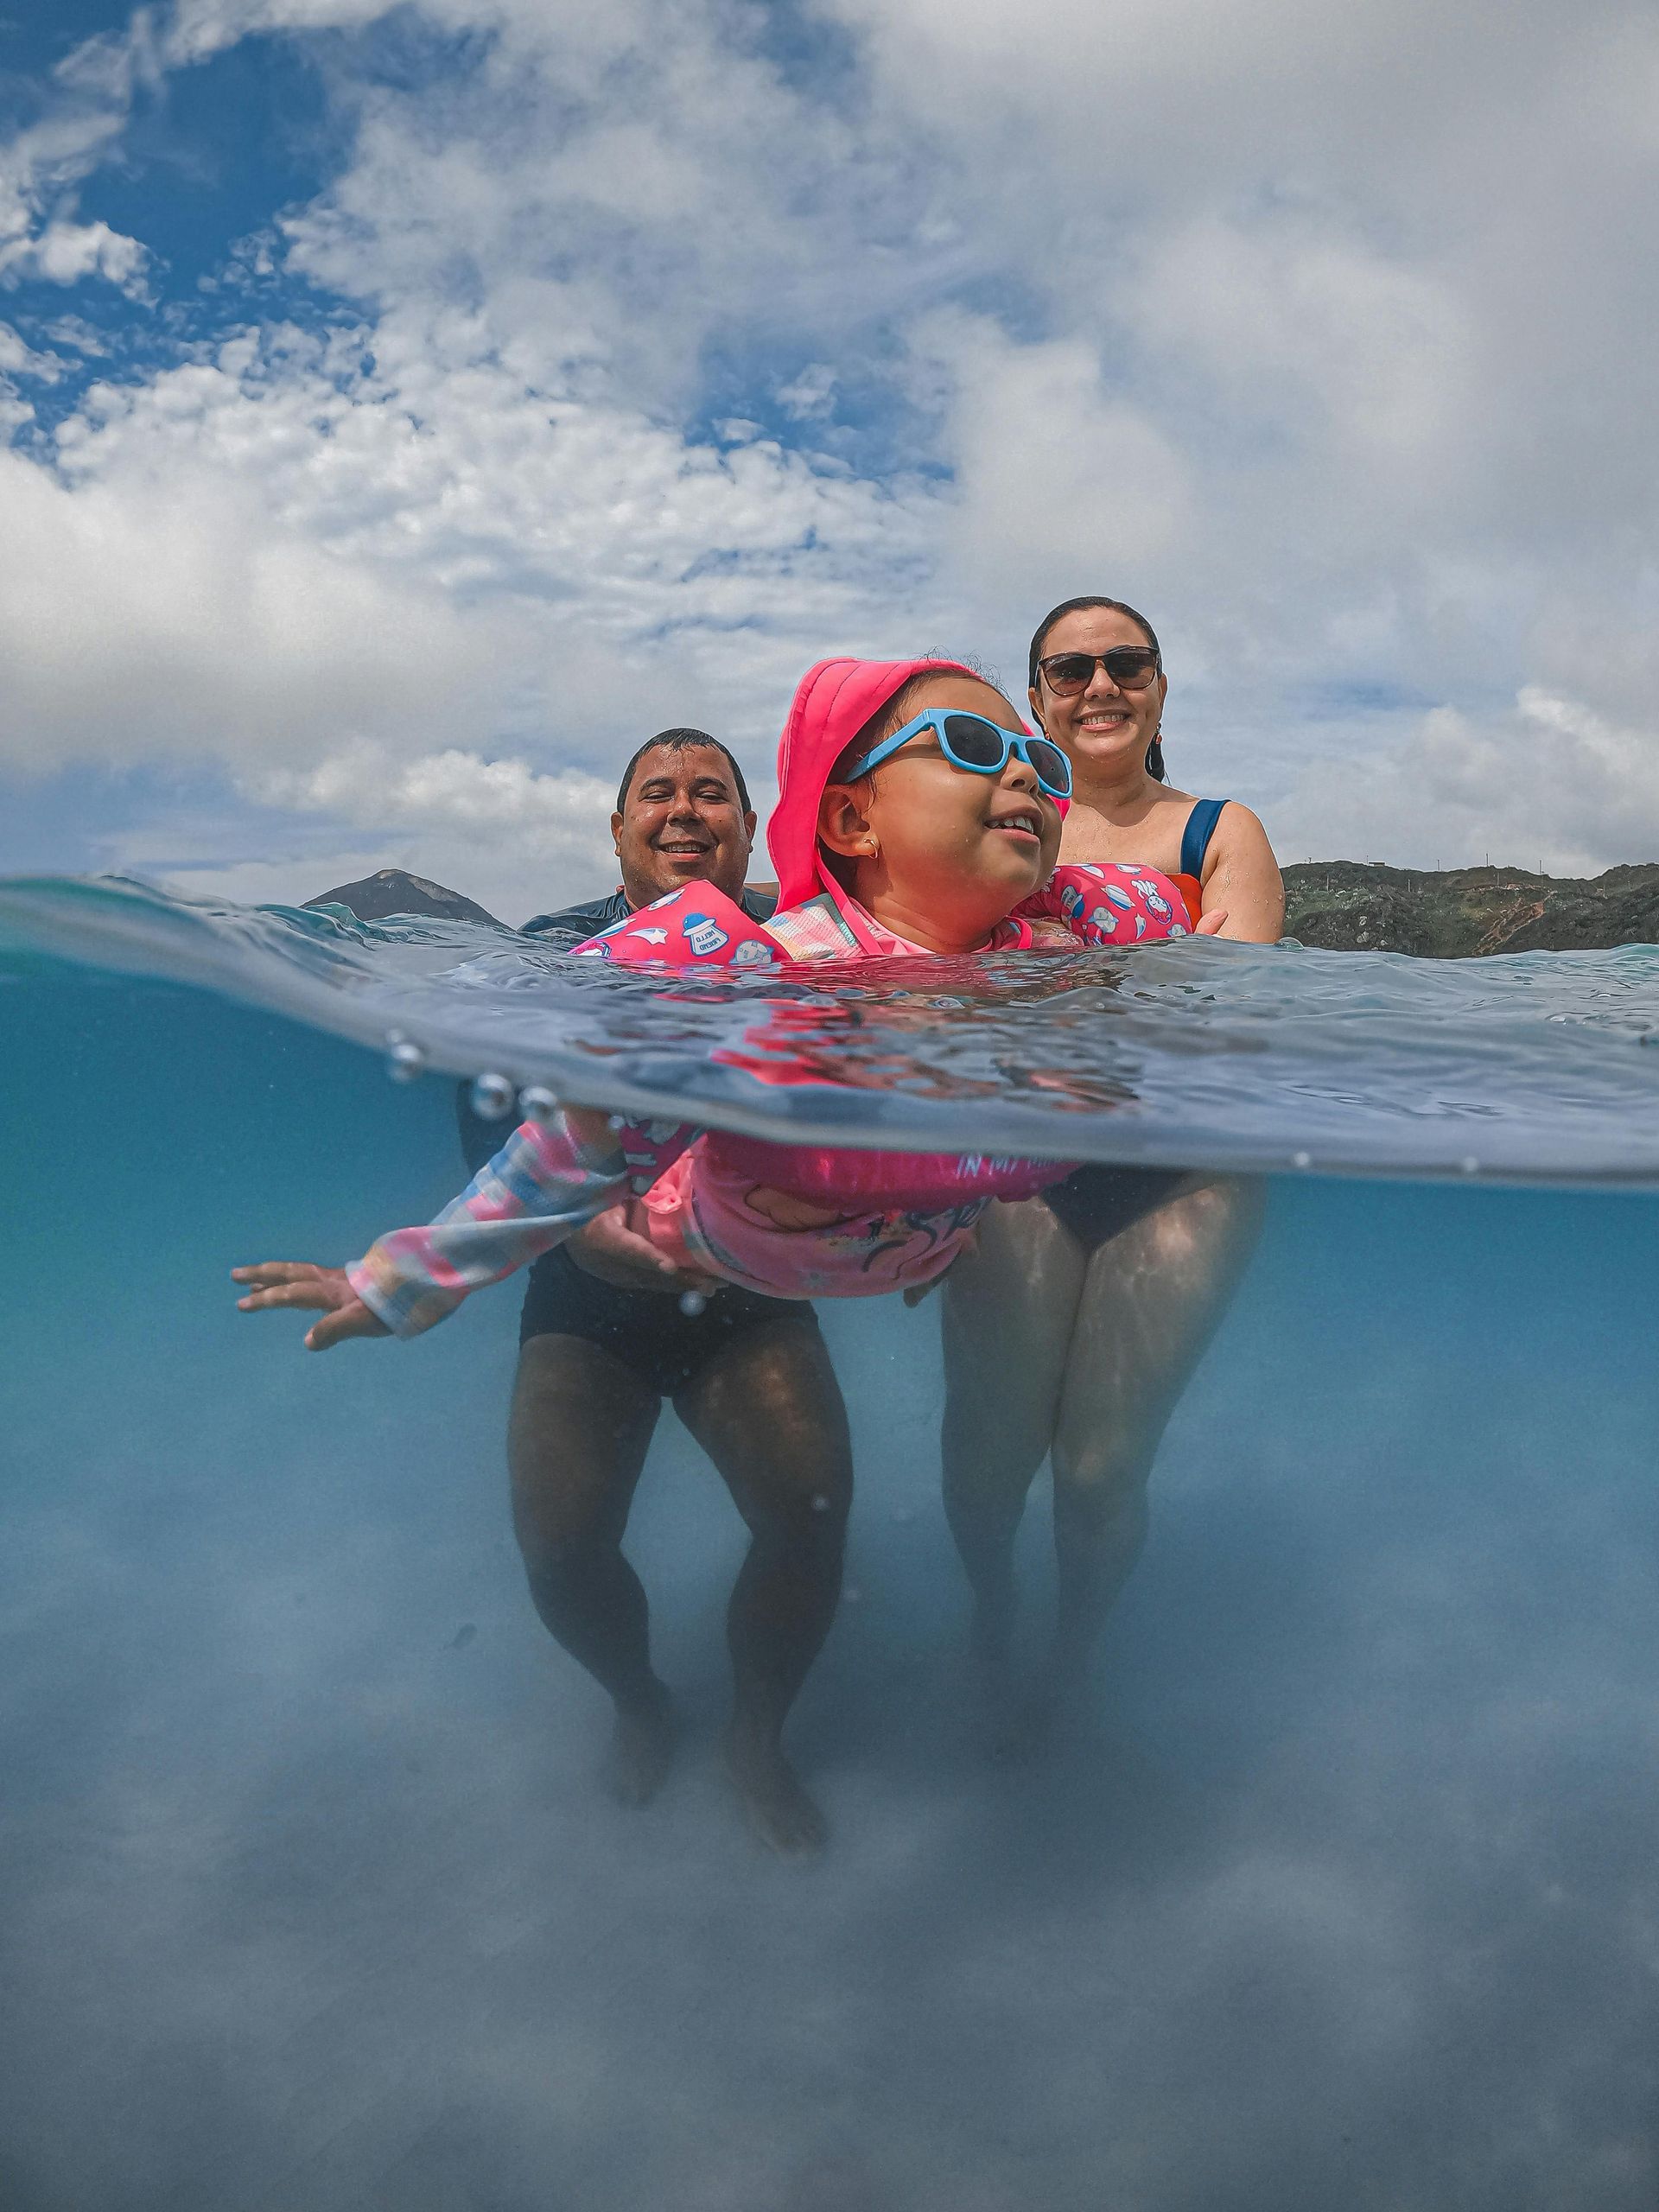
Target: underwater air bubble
<point x="692" y="1302"/>
<point x="1469" y="1164"/>
<point x="404" y="1058"/>
<point x="537" y="1103"/>
<point x="493" y="1096"/>
<point x="1301" y="1159"/>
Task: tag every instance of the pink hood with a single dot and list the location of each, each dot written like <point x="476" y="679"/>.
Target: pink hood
<point x="832" y="703"/>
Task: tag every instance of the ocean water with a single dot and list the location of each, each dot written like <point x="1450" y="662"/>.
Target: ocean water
<point x="1344" y="1892"/>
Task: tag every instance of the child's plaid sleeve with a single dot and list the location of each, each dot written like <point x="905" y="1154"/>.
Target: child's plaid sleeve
<point x="542" y="1188"/>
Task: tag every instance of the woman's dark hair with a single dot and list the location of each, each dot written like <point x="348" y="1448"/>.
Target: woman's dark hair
<point x="1155" y="751"/>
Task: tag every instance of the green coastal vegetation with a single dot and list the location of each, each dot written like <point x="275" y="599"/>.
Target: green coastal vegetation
<point x="1461" y="913"/>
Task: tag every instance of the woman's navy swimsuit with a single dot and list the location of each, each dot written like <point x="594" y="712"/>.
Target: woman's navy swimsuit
<point x="1096" y="1203"/>
<point x="1195" y="838"/>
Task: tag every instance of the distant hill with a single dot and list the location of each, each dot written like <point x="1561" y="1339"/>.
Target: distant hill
<point x="1457" y="913"/>
<point x="392" y="891"/>
<point x="1346" y="905"/>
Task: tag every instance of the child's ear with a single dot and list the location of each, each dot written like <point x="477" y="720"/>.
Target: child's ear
<point x="842" y="824"/>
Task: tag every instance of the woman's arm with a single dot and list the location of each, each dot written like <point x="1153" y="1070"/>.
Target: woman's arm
<point x="1242" y="877"/>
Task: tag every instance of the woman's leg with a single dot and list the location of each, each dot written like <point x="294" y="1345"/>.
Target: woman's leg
<point x="1010" y="1305"/>
<point x="1152" y="1298"/>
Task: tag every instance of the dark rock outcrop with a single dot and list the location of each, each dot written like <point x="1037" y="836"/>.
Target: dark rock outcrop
<point x="1458" y="913"/>
<point x="392" y="891"/>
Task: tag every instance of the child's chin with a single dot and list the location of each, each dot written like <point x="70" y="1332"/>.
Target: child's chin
<point x="1014" y="885"/>
<point x="1025" y="865"/>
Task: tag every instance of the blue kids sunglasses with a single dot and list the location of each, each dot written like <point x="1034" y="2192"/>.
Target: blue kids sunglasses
<point x="980" y="745"/>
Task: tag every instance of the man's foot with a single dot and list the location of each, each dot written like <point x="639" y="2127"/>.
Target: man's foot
<point x="642" y="1751"/>
<point x="778" y="1810"/>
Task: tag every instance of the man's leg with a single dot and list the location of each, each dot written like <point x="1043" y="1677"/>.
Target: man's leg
<point x="581" y="1423"/>
<point x="767" y="1410"/>
<point x="1009" y="1306"/>
<point x="1153" y="1297"/>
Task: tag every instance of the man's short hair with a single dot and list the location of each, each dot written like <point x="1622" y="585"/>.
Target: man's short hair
<point x="683" y="740"/>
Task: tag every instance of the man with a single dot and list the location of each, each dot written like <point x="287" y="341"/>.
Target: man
<point x="605" y="1338"/>
<point x="683" y="816"/>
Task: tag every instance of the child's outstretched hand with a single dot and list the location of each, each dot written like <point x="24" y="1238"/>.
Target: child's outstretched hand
<point x="327" y="1291"/>
<point x="1212" y="924"/>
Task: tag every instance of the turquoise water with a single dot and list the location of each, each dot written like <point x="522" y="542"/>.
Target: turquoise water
<point x="1342" y="1895"/>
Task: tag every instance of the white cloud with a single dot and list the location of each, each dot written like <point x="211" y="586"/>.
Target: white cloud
<point x="455" y="816"/>
<point x="1311" y="334"/>
<point x="198" y="29"/>
<point x="1549" y="784"/>
<point x="63" y="253"/>
<point x="41" y="165"/>
<point x="1056" y="474"/>
<point x="156" y="613"/>
<point x="454" y="787"/>
<point x="276" y="550"/>
<point x="1322" y="334"/>
<point x="18" y="358"/>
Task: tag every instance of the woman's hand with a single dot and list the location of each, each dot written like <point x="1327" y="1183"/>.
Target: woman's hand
<point x="1211" y="925"/>
<point x="327" y="1291"/>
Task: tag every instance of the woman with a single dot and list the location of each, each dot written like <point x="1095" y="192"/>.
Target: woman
<point x="1071" y="1330"/>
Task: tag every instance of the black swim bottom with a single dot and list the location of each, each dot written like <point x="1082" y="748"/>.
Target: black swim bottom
<point x="1096" y="1203"/>
<point x="646" y="1329"/>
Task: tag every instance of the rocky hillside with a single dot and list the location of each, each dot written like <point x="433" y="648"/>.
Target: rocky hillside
<point x="1352" y="905"/>
<point x="392" y="891"/>
<point x="1347" y="906"/>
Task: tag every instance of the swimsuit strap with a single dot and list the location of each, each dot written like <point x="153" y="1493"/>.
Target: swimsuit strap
<point x="1195" y="838"/>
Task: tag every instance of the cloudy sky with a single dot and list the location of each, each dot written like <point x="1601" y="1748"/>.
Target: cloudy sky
<point x="407" y="407"/>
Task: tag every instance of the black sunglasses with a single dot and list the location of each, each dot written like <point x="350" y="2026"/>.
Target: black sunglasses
<point x="1130" y="667"/>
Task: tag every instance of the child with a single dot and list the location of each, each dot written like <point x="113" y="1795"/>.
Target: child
<point x="916" y="815"/>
